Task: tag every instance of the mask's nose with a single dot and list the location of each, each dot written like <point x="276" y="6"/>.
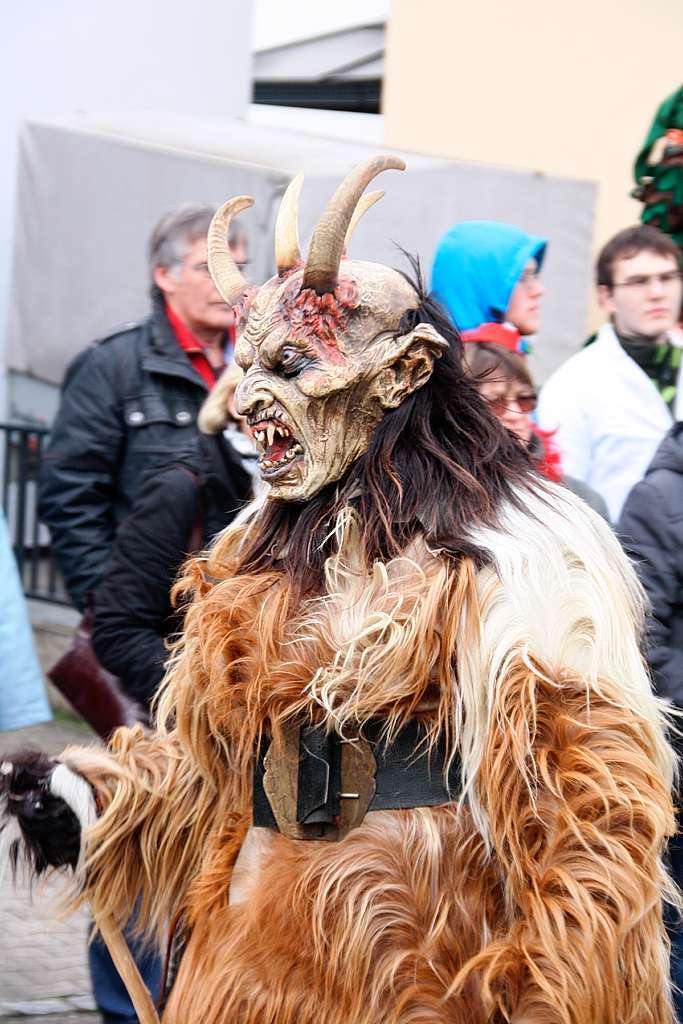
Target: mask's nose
<point x="252" y="393"/>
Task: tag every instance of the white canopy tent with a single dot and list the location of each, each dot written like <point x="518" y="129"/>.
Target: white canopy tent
<point x="91" y="187"/>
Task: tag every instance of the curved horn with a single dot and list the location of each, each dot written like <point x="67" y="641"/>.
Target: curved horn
<point x="226" y="275"/>
<point x="287" y="252"/>
<point x="327" y="244"/>
<point x="364" y="203"/>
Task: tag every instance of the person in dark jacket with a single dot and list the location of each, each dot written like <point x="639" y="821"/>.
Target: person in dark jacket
<point x="131" y="399"/>
<point x="651" y="530"/>
<point x="179" y="508"/>
<point x="130" y="403"/>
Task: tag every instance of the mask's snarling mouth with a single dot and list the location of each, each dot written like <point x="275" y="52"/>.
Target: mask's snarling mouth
<point x="274" y="438"/>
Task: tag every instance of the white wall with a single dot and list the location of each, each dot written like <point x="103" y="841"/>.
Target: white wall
<point x="66" y="55"/>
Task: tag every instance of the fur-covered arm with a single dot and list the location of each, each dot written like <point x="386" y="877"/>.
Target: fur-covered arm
<point x="156" y="812"/>
<point x="133" y="820"/>
<point x="578" y="814"/>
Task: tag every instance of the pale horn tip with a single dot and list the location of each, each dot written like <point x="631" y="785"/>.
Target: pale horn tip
<point x="226" y="275"/>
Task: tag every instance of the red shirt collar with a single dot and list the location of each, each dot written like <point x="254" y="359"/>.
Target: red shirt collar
<point x="188" y="341"/>
<point x="196" y="348"/>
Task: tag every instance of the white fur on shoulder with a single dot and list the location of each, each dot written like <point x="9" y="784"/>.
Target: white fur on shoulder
<point x="568" y="591"/>
<point x="560" y="591"/>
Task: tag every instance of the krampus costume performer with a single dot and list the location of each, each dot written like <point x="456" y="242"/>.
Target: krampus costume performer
<point x="407" y="766"/>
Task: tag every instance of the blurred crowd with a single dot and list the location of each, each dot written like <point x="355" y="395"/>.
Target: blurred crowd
<point x="148" y="458"/>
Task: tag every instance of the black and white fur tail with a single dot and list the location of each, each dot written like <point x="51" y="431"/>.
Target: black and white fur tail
<point x="44" y="809"/>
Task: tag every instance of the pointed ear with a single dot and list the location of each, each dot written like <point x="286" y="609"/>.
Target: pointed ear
<point x="410" y="364"/>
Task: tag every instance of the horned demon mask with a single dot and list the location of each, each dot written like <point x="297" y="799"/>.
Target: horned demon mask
<point x="321" y="348"/>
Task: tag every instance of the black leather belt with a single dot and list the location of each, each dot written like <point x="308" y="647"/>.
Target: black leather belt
<point x="320" y="786"/>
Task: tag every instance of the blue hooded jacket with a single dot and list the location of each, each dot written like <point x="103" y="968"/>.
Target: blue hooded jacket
<point x="476" y="267"/>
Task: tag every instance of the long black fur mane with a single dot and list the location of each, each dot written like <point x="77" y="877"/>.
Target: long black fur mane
<point x="437" y="466"/>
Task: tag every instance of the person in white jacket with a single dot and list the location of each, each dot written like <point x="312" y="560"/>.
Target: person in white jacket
<point x="612" y="403"/>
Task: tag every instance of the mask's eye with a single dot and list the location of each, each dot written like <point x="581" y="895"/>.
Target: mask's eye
<point x="291" y="360"/>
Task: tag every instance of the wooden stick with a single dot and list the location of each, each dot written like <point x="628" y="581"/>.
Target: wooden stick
<point x="128" y="969"/>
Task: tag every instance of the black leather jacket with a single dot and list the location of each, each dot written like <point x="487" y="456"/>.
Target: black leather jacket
<point x="651" y="530"/>
<point x="178" y="508"/>
<point x="129" y="402"/>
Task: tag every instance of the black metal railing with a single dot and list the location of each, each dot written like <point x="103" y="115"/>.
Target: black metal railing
<point x="21" y="454"/>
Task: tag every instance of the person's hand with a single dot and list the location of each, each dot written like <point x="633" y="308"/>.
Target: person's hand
<point x="36" y="824"/>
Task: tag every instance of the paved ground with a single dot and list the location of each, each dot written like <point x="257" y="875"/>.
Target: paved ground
<point x="70" y="1018"/>
<point x="43" y="972"/>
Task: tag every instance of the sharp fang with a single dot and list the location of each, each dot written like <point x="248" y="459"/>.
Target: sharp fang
<point x="270" y="429"/>
<point x="285" y="432"/>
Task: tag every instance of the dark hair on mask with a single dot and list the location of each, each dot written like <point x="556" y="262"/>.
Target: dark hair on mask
<point x="437" y="466"/>
<point x="628" y="243"/>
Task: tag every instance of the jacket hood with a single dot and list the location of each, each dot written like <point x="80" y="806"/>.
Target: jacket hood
<point x="669" y="455"/>
<point x="476" y="266"/>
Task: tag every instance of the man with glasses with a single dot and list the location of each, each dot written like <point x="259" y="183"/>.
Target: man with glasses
<point x="612" y="403"/>
<point x="132" y="398"/>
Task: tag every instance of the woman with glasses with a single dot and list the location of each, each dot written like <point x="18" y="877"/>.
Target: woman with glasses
<point x="493" y="353"/>
<point x="486" y="274"/>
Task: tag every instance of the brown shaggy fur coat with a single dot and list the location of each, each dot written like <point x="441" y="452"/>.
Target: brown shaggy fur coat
<point x="536" y="898"/>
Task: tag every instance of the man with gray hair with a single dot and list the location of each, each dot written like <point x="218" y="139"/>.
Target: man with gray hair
<point x="132" y="398"/>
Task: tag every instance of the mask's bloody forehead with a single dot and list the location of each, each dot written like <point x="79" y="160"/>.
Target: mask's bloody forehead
<point x="322" y="320"/>
<point x="369" y="299"/>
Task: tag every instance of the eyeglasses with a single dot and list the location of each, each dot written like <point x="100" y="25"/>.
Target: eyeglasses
<point x="524" y="403"/>
<point x="641" y="282"/>
<point x="203" y="268"/>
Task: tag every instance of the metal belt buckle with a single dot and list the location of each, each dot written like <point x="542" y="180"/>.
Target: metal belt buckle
<point x="281" y="781"/>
